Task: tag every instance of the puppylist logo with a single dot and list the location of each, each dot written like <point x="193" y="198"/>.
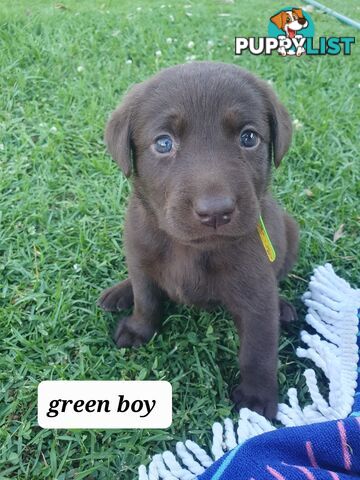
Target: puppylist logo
<point x="290" y="33"/>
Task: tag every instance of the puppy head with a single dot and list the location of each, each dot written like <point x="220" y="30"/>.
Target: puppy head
<point x="290" y="21"/>
<point x="199" y="139"/>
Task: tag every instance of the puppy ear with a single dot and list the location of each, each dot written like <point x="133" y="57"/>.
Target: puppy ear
<point x="279" y="20"/>
<point x="298" y="12"/>
<point x="280" y="129"/>
<point x="118" y="132"/>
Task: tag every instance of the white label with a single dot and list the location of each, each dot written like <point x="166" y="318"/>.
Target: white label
<point x="108" y="404"/>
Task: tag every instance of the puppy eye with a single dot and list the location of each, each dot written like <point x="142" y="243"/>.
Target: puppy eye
<point x="249" y="139"/>
<point x="163" y="144"/>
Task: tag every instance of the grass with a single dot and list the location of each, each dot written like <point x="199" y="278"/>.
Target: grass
<point x="62" y="204"/>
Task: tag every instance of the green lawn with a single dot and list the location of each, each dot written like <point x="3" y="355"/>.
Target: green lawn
<point x="62" y="203"/>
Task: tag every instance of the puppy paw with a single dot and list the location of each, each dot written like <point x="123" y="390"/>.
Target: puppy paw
<point x="118" y="297"/>
<point x="287" y="312"/>
<point x="129" y="333"/>
<point x="262" y="402"/>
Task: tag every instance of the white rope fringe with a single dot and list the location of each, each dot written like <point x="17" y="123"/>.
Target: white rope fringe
<point x="332" y="312"/>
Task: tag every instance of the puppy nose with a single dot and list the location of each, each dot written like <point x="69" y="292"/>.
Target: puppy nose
<point x="214" y="211"/>
<point x="302" y="21"/>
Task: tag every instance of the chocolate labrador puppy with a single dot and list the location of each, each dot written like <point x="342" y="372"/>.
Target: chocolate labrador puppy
<point x="202" y="228"/>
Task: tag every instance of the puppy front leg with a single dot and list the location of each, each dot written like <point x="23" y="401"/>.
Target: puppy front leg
<point x="139" y="327"/>
<point x="118" y="297"/>
<point x="257" y="322"/>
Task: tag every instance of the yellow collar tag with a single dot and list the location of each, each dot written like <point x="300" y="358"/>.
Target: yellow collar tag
<point x="265" y="239"/>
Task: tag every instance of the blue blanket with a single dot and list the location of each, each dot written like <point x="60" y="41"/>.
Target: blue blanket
<point x="329" y="451"/>
<point x="320" y="440"/>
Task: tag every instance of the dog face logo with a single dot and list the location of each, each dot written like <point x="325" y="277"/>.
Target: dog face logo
<point x="292" y="24"/>
<point x="291" y="31"/>
<point x="290" y="21"/>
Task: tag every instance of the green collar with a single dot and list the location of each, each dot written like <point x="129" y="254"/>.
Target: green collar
<point x="265" y="240"/>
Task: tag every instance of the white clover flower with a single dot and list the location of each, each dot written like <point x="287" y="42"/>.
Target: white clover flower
<point x="190" y="58"/>
<point x="2" y="146"/>
<point x="297" y="124"/>
<point x="210" y="43"/>
<point x="172" y="19"/>
<point x="77" y="267"/>
<point x="158" y="53"/>
<point x="139" y="9"/>
<point x="191" y="45"/>
<point x="80" y="68"/>
<point x="169" y="40"/>
<point x="128" y="61"/>
<point x="53" y="129"/>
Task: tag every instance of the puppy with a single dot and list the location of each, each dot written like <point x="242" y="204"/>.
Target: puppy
<point x="291" y="22"/>
<point x="202" y="228"/>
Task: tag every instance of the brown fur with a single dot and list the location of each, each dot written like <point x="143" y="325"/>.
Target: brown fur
<point x="170" y="253"/>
